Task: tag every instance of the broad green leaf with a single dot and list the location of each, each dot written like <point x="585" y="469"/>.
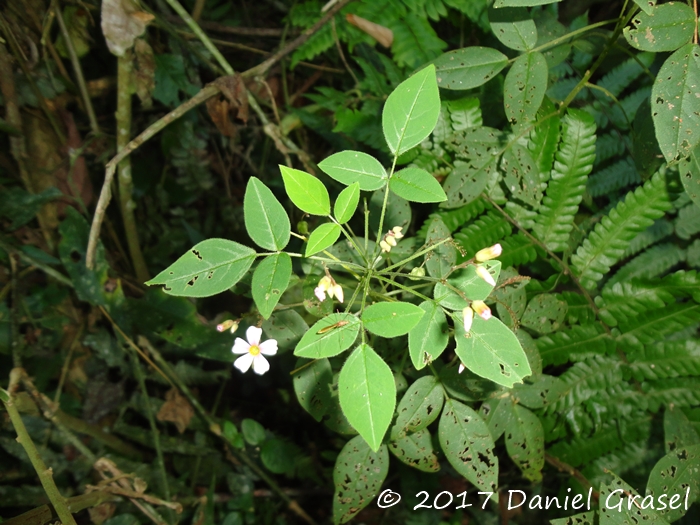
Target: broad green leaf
<point x="468" y="67"/>
<point x="674" y="103"/>
<point x="492" y="351"/>
<point x="306" y="191"/>
<point x="20" y="206"/>
<point x="647" y="6"/>
<point x="417" y="185"/>
<point x="416" y="450"/>
<point x="367" y="394"/>
<point x="511" y="300"/>
<point x="312" y="384"/>
<point x="584" y="518"/>
<point x="321" y="238"/>
<point x="521" y="175"/>
<point x="514" y="27"/>
<point x="689" y="170"/>
<point x="411" y="111"/>
<point x="668" y="28"/>
<point x="338" y="333"/>
<point x="618" y="508"/>
<point x="428" y="339"/>
<point x="354" y="166"/>
<point x="253" y="432"/>
<point x="270" y="280"/>
<point x="346" y="203"/>
<point x="358" y="475"/>
<point x="549" y="29"/>
<point x="469" y="283"/>
<point x="391" y="319"/>
<point x="420" y="406"/>
<point x="466" y="441"/>
<point x="678" y="472"/>
<point x="210" y="267"/>
<point x="524" y="89"/>
<point x="285" y="326"/>
<point x="439" y="262"/>
<point x="678" y="430"/>
<point x="497" y="412"/>
<point x="522" y="3"/>
<point x="525" y="442"/>
<point x="278" y="456"/>
<point x="265" y="219"/>
<point x="398" y="211"/>
<point x="545" y="313"/>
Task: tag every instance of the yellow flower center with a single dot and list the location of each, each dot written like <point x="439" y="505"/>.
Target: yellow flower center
<point x="254" y="350"/>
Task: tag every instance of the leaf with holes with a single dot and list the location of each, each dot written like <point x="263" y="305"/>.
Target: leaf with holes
<point x="358" y="475"/>
<point x="676" y="473"/>
<point x="354" y="166"/>
<point x="428" y="339"/>
<point x="668" y="28"/>
<point x="321" y="238"/>
<point x="417" y="185"/>
<point x="411" y="111"/>
<point x="647" y="6"/>
<point x="367" y="394"/>
<point x="330" y="336"/>
<point x="270" y="280"/>
<point x="211" y="267"/>
<point x="466" y="441"/>
<point x="468" y="67"/>
<point x="492" y="351"/>
<point x="439" y="261"/>
<point x="522" y="3"/>
<point x="265" y="219"/>
<point x="416" y="450"/>
<point x="312" y="384"/>
<point x="689" y="169"/>
<point x="514" y="27"/>
<point x="419" y="407"/>
<point x="391" y="319"/>
<point x="306" y="191"/>
<point x="470" y="285"/>
<point x="544" y="314"/>
<point x="346" y="203"/>
<point x="524" y="89"/>
<point x="525" y="442"/>
<point x="619" y="509"/>
<point x="675" y="105"/>
<point x="521" y="175"/>
<point x="678" y="430"/>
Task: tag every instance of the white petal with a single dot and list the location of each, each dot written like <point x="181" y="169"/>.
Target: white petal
<point x="320" y="293"/>
<point x="268" y="347"/>
<point x="260" y="365"/>
<point x="243" y="363"/>
<point x="253" y="335"/>
<point x="240" y="346"/>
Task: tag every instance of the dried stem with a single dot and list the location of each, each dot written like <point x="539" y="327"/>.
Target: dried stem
<point x="571" y="471"/>
<point x="46" y="513"/>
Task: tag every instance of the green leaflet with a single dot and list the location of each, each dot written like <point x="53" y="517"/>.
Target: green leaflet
<point x="678" y="430"/>
<point x="333" y="339"/>
<point x="428" y="339"/>
<point x="367" y="394"/>
<point x="491" y="350"/>
<point x="391" y="319"/>
<point x="545" y="313"/>
<point x="647" y="6"/>
<point x="618" y="510"/>
<point x="411" y="111"/>
<point x="674" y="103"/>
<point x="676" y="473"/>
<point x="524" y="89"/>
<point x="467" y="444"/>
<point x="312" y="385"/>
<point x="210" y="267"/>
<point x="525" y="442"/>
<point x="513" y="27"/>
<point x="265" y="219"/>
<point x="574" y="161"/>
<point x="469" y="67"/>
<point x="270" y="280"/>
<point x="439" y="262"/>
<point x="358" y="475"/>
<point x="521" y="175"/>
<point x="321" y="238"/>
<point x="689" y="169"/>
<point x="470" y="285"/>
<point x="417" y="185"/>
<point x="306" y="191"/>
<point x="346" y="203"/>
<point x="349" y="167"/>
<point x="669" y="27"/>
<point x="611" y="236"/>
<point x="416" y="450"/>
<point x="419" y="407"/>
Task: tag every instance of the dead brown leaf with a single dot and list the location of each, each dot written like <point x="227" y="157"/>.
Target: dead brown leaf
<point x="176" y="409"/>
<point x="122" y="23"/>
<point x="144" y="71"/>
<point x="381" y="34"/>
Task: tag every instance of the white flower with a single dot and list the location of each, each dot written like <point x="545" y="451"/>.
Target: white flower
<point x="390" y="238"/>
<point x="233" y="325"/>
<point x="461" y="368"/>
<point x="489" y="253"/>
<point x="386" y="247"/>
<point x="480" y="308"/>
<point x="328" y="284"/>
<point x="396" y="230"/>
<point x="485" y="275"/>
<point x="253" y="351"/>
<point x="468" y="316"/>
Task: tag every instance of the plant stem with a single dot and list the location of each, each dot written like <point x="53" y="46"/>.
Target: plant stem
<point x="416" y="255"/>
<point x="124" y="167"/>
<point x="45" y="474"/>
<point x="407" y="289"/>
<point x="46" y="514"/>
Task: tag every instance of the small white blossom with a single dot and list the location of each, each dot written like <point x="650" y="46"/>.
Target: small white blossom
<point x="253" y="351"/>
<point x="489" y="253"/>
<point x="468" y="317"/>
<point x="461" y="368"/>
<point x="480" y="308"/>
<point x="485" y="275"/>
<point x="226" y="325"/>
<point x="328" y="284"/>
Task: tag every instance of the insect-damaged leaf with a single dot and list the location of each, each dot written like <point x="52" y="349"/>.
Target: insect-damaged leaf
<point x="337" y="333"/>
<point x="210" y="267"/>
<point x="312" y="384"/>
<point x="420" y="406"/>
<point x="270" y="280"/>
<point x="416" y="450"/>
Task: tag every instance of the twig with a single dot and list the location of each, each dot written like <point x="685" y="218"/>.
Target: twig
<point x="342" y="55"/>
<point x="124" y="64"/>
<point x="76" y="68"/>
<point x="262" y="68"/>
<point x="23" y="438"/>
<point x="197" y="9"/>
<point x="33" y="262"/>
<point x="14" y="326"/>
<point x="571" y="471"/>
<point x="221" y="28"/>
<point x="45" y="513"/>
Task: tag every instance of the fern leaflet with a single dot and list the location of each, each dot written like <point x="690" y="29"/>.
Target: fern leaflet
<point x="580" y="342"/>
<point x="607" y="146"/>
<point x="654" y="233"/>
<point x="584" y="380"/>
<point x="652" y="263"/>
<point x="665" y="360"/>
<point x="655" y="325"/>
<point x="688" y="221"/>
<point x="613" y="177"/>
<point x="485" y="231"/>
<point x="517" y="249"/>
<point x="679" y="391"/>
<point x="453" y="219"/>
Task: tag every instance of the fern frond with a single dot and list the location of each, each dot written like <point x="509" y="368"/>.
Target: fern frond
<point x="651" y="263"/>
<point x="464" y="113"/>
<point x="613" y="177"/>
<point x="522" y="215"/>
<point x="629" y="299"/>
<point x="474" y="10"/>
<point x="579" y="310"/>
<point x="573" y="162"/>
<point x="694" y="254"/>
<point x="607" y="146"/>
<point x="665" y="360"/>
<point x="575" y="344"/>
<point x="517" y="250"/>
<point x="415" y="41"/>
<point x="629" y="457"/>
<point x="611" y="236"/>
<point x="653" y="326"/>
<point x="622" y="115"/>
<point x="610" y="437"/>
<point x="654" y="233"/>
<point x="453" y="219"/>
<point x="485" y="231"/>
<point x="688" y="221"/>
<point x="543" y="141"/>
<point x="679" y="391"/>
<point x="622" y="76"/>
<point x="585" y="380"/>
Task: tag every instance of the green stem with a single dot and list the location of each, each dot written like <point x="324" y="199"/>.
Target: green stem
<point x="416" y="255"/>
<point x="350" y="238"/>
<point x="45" y="514"/>
<point x="568" y="36"/>
<point x="45" y="474"/>
<point x="402" y="287"/>
<point x="124" y="168"/>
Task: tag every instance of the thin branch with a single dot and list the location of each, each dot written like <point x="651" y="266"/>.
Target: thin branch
<point x="197" y="9"/>
<point x="46" y="514"/>
<point x="571" y="471"/>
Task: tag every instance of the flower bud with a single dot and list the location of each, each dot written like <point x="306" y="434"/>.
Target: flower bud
<point x="303" y="227"/>
<point x="336" y="291"/>
<point x="461" y="368"/>
<point x="468" y="316"/>
<point x="418" y="271"/>
<point x="485" y="275"/>
<point x="226" y="325"/>
<point x="488" y="253"/>
<point x="386" y="247"/>
<point x="396" y="231"/>
<point x="390" y="240"/>
<point x="480" y="308"/>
